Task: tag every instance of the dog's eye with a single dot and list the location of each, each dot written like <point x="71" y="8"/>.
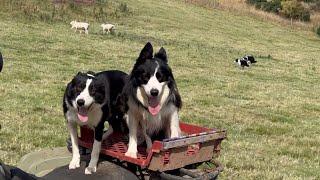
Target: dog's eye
<point x="159" y="76"/>
<point x="92" y="90"/>
<point x="145" y="77"/>
<point x="78" y="89"/>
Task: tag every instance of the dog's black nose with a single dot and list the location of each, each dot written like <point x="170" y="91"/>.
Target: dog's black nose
<point x="154" y="92"/>
<point x="80" y="102"/>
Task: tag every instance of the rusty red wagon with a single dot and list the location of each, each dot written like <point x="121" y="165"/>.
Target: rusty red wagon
<point x="169" y="158"/>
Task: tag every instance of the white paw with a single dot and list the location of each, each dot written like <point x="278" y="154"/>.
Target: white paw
<point x="74" y="163"/>
<point x="175" y="134"/>
<point x="90" y="170"/>
<point x="131" y="154"/>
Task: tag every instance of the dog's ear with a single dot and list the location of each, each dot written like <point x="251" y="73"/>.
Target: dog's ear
<point x="162" y="55"/>
<point x="69" y="88"/>
<point x="91" y="73"/>
<point x="146" y="53"/>
<point x="75" y="77"/>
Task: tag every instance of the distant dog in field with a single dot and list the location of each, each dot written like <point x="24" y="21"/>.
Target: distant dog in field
<point x="1" y="62"/>
<point x="245" y="61"/>
<point x="153" y="99"/>
<point x="89" y="99"/>
<point x="107" y="27"/>
<point x="81" y="26"/>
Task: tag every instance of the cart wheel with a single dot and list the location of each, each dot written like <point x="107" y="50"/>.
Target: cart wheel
<point x="194" y="174"/>
<point x="106" y="170"/>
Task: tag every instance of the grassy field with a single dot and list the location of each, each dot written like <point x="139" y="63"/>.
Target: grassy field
<point x="241" y="7"/>
<point x="271" y="111"/>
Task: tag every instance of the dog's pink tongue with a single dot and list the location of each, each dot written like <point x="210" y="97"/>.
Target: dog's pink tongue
<point x="83" y="114"/>
<point x="154" y="106"/>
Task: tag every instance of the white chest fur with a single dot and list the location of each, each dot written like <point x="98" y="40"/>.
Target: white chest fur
<point x="153" y="123"/>
<point x="160" y="121"/>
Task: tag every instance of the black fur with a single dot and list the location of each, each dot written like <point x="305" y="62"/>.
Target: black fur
<point x="250" y="58"/>
<point x="105" y="88"/>
<point x="243" y="62"/>
<point x="119" y="109"/>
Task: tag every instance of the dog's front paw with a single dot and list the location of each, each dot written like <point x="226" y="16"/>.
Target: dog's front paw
<point x="131" y="154"/>
<point x="74" y="163"/>
<point x="175" y="134"/>
<point x="90" y="170"/>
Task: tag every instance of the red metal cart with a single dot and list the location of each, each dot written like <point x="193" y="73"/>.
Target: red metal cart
<point x="198" y="145"/>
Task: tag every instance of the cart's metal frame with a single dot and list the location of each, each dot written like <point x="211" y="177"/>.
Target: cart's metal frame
<point x="167" y="158"/>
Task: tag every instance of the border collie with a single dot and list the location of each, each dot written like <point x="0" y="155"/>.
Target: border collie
<point x="152" y="98"/>
<point x="245" y="61"/>
<point x="88" y="100"/>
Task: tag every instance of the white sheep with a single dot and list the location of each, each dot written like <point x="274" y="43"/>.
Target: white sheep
<point x="107" y="27"/>
<point x="80" y="26"/>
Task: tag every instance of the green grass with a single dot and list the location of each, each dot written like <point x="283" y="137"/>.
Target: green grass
<point x="271" y="111"/>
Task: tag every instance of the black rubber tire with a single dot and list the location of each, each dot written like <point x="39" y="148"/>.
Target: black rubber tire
<point x="105" y="171"/>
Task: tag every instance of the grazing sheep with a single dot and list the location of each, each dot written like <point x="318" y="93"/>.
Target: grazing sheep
<point x="107" y="27"/>
<point x="80" y="26"/>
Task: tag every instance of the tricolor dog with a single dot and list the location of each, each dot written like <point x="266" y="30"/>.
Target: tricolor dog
<point x="89" y="100"/>
<point x="152" y="98"/>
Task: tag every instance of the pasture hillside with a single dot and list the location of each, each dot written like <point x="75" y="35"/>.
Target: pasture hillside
<point x="271" y="110"/>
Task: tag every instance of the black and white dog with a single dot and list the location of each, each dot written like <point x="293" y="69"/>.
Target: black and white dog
<point x="242" y="63"/>
<point x="245" y="61"/>
<point x="88" y="100"/>
<point x="152" y="98"/>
